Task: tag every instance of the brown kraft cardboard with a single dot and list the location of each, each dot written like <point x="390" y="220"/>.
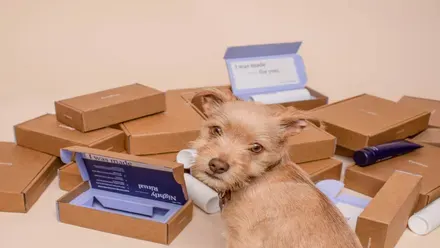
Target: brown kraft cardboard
<point x="429" y="105"/>
<point x="323" y="169"/>
<point x="429" y="136"/>
<point x="109" y="107"/>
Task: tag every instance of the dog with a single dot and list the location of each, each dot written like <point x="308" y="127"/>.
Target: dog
<point x="267" y="200"/>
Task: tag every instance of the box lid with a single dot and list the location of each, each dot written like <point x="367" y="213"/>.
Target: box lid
<point x="258" y="69"/>
<point x="109" y="97"/>
<point x="47" y="124"/>
<point x="19" y="166"/>
<point x="429" y="105"/>
<point x="129" y="175"/>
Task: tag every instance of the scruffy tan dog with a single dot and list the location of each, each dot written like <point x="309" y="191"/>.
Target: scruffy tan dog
<point x="272" y="202"/>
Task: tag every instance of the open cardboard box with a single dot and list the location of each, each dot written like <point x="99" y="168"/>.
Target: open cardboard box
<point x="24" y="176"/>
<point x="170" y="131"/>
<point x="70" y="177"/>
<point x="310" y="145"/>
<point x="429" y="105"/>
<point x="47" y="135"/>
<point x="109" y="107"/>
<point x="423" y="161"/>
<point x="367" y="120"/>
<point x="128" y="195"/>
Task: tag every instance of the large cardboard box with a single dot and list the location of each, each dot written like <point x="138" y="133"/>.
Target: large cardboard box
<point x="170" y="131"/>
<point x="311" y="144"/>
<point x="423" y="161"/>
<point x="109" y="107"/>
<point x="323" y="169"/>
<point x="69" y="176"/>
<point x="24" y="176"/>
<point x="47" y="135"/>
<point x="128" y="195"/>
<point x="384" y="220"/>
<point x="429" y="105"/>
<point x="366" y="120"/>
<point x="429" y="136"/>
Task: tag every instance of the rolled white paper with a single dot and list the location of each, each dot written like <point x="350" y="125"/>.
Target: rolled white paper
<point x="351" y="213"/>
<point x="426" y="220"/>
<point x="186" y="157"/>
<point x="203" y="196"/>
<point x="283" y="96"/>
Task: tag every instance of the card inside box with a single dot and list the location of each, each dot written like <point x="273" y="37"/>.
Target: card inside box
<point x="126" y="187"/>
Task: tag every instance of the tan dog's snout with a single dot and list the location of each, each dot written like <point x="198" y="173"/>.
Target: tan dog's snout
<point x="218" y="166"/>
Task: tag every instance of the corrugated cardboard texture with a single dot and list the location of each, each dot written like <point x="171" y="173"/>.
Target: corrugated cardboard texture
<point x="429" y="136"/>
<point x="109" y="107"/>
<point x="384" y="220"/>
<point x="170" y="131"/>
<point x="69" y="176"/>
<point x="424" y="161"/>
<point x="24" y="175"/>
<point x="367" y="120"/>
<point x="47" y="135"/>
<point x="429" y="105"/>
<point x="323" y="169"/>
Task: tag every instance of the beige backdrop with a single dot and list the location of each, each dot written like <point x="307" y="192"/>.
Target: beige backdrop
<point x="51" y="49"/>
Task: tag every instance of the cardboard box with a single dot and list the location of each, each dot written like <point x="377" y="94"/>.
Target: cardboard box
<point x="429" y="136"/>
<point x="69" y="176"/>
<point x="424" y="161"/>
<point x="128" y="195"/>
<point x="24" y="176"/>
<point x="323" y="169"/>
<point x="109" y="107"/>
<point x="384" y="220"/>
<point x="170" y="131"/>
<point x="429" y="105"/>
<point x="47" y="135"/>
<point x="311" y="144"/>
<point x="367" y="120"/>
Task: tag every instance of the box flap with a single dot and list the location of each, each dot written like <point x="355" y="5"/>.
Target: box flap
<point x="48" y="125"/>
<point x="19" y="166"/>
<point x="429" y="105"/>
<point x="129" y="175"/>
<point x="109" y="97"/>
<point x="262" y="50"/>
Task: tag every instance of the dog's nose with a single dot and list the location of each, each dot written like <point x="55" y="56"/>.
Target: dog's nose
<point x="218" y="166"/>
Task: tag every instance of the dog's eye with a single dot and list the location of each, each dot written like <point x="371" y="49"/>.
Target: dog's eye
<point x="256" y="148"/>
<point x="215" y="130"/>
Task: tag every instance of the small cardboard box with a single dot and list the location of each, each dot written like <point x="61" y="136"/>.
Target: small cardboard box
<point x="69" y="176"/>
<point x="384" y="220"/>
<point x="24" y="176"/>
<point x="170" y="131"/>
<point x="423" y="161"/>
<point x="311" y="144"/>
<point x="109" y="107"/>
<point x="127" y="195"/>
<point x="323" y="169"/>
<point x="367" y="120"/>
<point x="47" y="135"/>
<point x="429" y="136"/>
<point x="429" y="105"/>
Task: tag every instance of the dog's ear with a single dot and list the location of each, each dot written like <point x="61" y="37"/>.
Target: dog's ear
<point x="294" y="121"/>
<point x="209" y="99"/>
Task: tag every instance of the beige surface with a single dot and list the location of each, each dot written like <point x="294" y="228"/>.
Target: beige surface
<point x="50" y="50"/>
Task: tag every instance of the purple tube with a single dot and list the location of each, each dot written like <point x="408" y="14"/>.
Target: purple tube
<point x="375" y="154"/>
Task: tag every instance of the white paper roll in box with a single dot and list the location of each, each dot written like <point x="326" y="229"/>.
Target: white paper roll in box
<point x="426" y="220"/>
<point x="203" y="196"/>
<point x="283" y="96"/>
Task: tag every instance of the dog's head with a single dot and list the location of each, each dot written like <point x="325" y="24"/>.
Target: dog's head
<point x="240" y="140"/>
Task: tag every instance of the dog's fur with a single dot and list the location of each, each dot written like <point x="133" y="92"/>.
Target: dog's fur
<point x="274" y="204"/>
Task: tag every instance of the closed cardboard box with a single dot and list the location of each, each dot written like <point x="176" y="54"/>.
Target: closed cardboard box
<point x="46" y="134"/>
<point x="424" y="161"/>
<point x="24" y="176"/>
<point x="429" y="136"/>
<point x="312" y="144"/>
<point x="384" y="220"/>
<point x="70" y="177"/>
<point x="323" y="169"/>
<point x="170" y="131"/>
<point x="367" y="120"/>
<point x="429" y="105"/>
<point x="109" y="107"/>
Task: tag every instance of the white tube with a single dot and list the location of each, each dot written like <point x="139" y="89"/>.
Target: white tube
<point x="203" y="196"/>
<point x="283" y="96"/>
<point x="186" y="157"/>
<point x="426" y="220"/>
